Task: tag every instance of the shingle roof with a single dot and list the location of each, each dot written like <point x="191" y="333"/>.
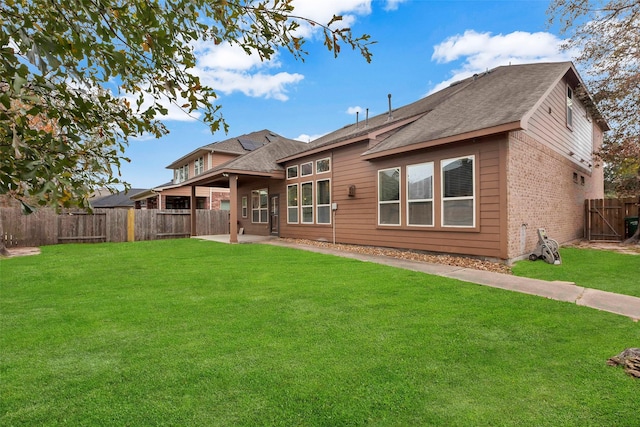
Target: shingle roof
<point x="498" y="97"/>
<point x="118" y="200"/>
<point x="503" y="96"/>
<point x="238" y="145"/>
<point x="262" y="160"/>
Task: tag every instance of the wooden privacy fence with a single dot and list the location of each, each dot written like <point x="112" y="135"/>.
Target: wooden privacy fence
<point x="609" y="219"/>
<point x="46" y="227"/>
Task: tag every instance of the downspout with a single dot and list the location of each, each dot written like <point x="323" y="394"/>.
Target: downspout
<point x="333" y="211"/>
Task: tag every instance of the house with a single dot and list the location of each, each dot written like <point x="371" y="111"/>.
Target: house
<point x="121" y="199"/>
<point x="474" y="169"/>
<point x="176" y="195"/>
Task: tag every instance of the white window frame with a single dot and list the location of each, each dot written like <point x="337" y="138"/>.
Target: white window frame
<point x="389" y="202"/>
<point x="259" y="209"/>
<point x="443" y="199"/>
<point x="289" y="174"/>
<point x="569" y="112"/>
<point x="323" y="205"/>
<point x="181" y="174"/>
<point x="245" y="206"/>
<point x="302" y="169"/>
<point x="293" y="207"/>
<point x="198" y="166"/>
<point x="328" y="160"/>
<point x="303" y="206"/>
<point x="408" y="193"/>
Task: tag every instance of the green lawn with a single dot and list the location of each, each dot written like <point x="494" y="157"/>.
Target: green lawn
<point x="190" y="332"/>
<point x="591" y="268"/>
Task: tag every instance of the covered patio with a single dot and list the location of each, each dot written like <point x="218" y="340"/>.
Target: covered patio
<point x="255" y="181"/>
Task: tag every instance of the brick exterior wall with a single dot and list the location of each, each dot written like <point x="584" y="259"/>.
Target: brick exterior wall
<point x="217" y="198"/>
<point x="542" y="193"/>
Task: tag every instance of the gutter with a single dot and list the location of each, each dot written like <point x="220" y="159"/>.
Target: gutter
<point x="507" y="127"/>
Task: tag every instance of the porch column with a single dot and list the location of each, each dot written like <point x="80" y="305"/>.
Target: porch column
<point x="233" y="212"/>
<point x="192" y="204"/>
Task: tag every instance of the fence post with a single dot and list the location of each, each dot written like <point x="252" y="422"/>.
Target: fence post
<point x="131" y="221"/>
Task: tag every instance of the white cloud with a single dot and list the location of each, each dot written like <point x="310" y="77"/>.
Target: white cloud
<point x="146" y="136"/>
<point x="228" y="69"/>
<point x="227" y="56"/>
<point x="323" y="11"/>
<point x="481" y="51"/>
<point x="393" y="4"/>
<point x="258" y="85"/>
<point x="354" y="110"/>
<point x="174" y="112"/>
<point x="308" y="138"/>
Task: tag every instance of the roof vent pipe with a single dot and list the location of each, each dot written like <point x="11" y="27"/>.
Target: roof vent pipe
<point x="366" y="120"/>
<point x="390" y="116"/>
<point x="357" y="118"/>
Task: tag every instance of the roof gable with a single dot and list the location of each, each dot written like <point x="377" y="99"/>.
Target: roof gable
<point x="500" y="98"/>
<point x="237" y="145"/>
<point x="261" y="161"/>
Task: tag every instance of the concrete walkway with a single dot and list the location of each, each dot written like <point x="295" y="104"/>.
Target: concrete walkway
<point x="561" y="291"/>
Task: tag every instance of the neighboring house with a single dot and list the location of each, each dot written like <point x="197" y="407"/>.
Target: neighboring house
<point x="473" y="169"/>
<point x="177" y="195"/>
<point x="122" y="199"/>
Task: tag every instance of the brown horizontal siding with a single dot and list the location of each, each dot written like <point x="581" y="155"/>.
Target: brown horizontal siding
<point x="356" y="217"/>
<point x="219" y="158"/>
<point x="494" y="191"/>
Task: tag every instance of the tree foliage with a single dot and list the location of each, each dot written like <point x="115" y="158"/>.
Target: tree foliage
<point x="65" y="67"/>
<point x="606" y="33"/>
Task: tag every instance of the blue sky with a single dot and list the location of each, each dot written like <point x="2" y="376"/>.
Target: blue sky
<point x="421" y="46"/>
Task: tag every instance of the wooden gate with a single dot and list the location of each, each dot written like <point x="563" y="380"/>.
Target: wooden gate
<point x="605" y="218"/>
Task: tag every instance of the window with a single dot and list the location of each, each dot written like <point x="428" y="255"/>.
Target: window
<point x="225" y="205"/>
<point x="292" y="172"/>
<point x="292" y="203"/>
<point x="323" y="201"/>
<point x="389" y="196"/>
<point x="420" y="194"/>
<point x="569" y="107"/>
<point x="307" y="202"/>
<point x="181" y="174"/>
<point x="458" y="197"/>
<point x="306" y="169"/>
<point x="323" y="165"/>
<point x="244" y="206"/>
<point x="199" y="166"/>
<point x="259" y="202"/>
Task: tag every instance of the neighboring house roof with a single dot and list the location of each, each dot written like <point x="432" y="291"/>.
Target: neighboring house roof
<point x="118" y="200"/>
<point x="237" y="145"/>
<point x="498" y="100"/>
